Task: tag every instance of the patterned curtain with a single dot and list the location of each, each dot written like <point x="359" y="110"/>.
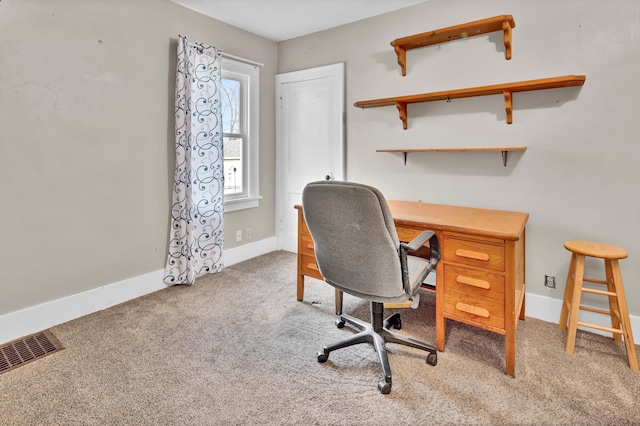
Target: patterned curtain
<point x="197" y="228"/>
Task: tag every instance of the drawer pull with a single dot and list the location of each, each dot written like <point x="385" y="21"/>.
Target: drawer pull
<point x="312" y="266"/>
<point x="310" y="246"/>
<point x="481" y="312"/>
<point x="473" y="282"/>
<point x="472" y="254"/>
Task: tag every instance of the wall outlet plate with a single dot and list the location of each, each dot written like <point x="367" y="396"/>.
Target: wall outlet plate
<point x="550" y="281"/>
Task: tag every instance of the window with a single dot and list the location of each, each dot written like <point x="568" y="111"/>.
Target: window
<point x="239" y="97"/>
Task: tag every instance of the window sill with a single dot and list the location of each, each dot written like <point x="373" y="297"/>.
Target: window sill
<point x="241" y="204"/>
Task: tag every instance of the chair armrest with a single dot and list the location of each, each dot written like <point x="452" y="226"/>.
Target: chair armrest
<point x="415" y="244"/>
<point x="418" y="241"/>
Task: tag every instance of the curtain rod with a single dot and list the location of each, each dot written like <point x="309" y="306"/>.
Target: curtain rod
<point x="230" y="56"/>
<point x="239" y="59"/>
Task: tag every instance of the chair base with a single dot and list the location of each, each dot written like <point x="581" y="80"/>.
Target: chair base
<point x="377" y="333"/>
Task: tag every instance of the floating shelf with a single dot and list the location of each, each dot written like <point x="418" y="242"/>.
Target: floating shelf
<point x="506" y="89"/>
<point x="470" y="29"/>
<point x="503" y="149"/>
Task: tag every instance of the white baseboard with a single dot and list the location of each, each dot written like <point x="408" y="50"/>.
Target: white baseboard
<point x="45" y="315"/>
<point x="40" y="317"/>
<point x="548" y="309"/>
<point x="249" y="251"/>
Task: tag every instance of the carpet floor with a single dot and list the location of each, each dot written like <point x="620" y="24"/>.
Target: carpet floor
<point x="237" y="348"/>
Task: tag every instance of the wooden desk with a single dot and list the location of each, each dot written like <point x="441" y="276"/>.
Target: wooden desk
<point x="480" y="279"/>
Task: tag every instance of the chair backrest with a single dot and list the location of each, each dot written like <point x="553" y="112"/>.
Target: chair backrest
<point x="355" y="239"/>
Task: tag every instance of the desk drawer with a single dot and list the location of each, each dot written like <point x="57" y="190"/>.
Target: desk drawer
<point x="473" y="253"/>
<point x="474" y="295"/>
<point x="407" y="234"/>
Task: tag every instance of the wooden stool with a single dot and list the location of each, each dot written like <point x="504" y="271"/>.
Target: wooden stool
<point x="620" y="324"/>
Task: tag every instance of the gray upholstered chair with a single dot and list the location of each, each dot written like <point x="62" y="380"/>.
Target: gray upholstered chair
<point x="358" y="251"/>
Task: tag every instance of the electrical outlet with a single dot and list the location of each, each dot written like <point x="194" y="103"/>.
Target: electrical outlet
<point x="239" y="235"/>
<point x="247" y="233"/>
<point x="550" y="281"/>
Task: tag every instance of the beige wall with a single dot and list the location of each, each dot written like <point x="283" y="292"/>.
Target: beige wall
<point x="86" y="149"/>
<point x="579" y="177"/>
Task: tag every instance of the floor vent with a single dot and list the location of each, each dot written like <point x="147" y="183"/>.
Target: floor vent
<point x="27" y="349"/>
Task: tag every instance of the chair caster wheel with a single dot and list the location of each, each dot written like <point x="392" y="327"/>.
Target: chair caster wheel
<point x="340" y="323"/>
<point x="398" y="324"/>
<point x="322" y="357"/>
<point x="384" y="387"/>
<point x="432" y="359"/>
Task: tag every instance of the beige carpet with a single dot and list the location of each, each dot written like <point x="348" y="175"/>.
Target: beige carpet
<point x="238" y="349"/>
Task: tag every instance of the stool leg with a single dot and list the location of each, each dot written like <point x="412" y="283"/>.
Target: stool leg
<point x="614" y="307"/>
<point x="624" y="316"/>
<point x="578" y="275"/>
<point x="568" y="294"/>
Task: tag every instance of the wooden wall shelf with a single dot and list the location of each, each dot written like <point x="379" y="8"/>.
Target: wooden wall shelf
<point x="470" y="29"/>
<point x="506" y="89"/>
<point x="503" y="149"/>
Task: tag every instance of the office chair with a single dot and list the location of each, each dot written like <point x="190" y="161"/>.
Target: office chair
<point x="358" y="251"/>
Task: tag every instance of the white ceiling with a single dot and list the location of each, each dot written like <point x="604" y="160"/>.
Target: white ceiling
<point x="280" y="20"/>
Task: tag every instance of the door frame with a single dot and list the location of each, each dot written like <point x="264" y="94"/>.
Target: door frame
<point x="335" y="71"/>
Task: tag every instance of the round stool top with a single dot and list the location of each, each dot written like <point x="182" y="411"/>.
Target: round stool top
<point x="603" y="251"/>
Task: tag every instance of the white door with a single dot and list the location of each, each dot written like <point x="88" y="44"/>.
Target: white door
<point x="309" y="139"/>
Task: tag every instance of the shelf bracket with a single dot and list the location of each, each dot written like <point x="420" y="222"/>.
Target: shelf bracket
<point x="402" y="58"/>
<point x="504" y="158"/>
<point x="508" y="106"/>
<point x="402" y="111"/>
<point x="506" y="27"/>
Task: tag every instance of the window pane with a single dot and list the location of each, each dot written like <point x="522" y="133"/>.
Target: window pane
<point x="230" y="106"/>
<point x="239" y="89"/>
<point x="232" y="165"/>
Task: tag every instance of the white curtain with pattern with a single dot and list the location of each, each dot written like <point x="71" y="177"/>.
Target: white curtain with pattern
<point x="197" y="227"/>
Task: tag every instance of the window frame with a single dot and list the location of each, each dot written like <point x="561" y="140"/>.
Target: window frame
<point x="249" y="77"/>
